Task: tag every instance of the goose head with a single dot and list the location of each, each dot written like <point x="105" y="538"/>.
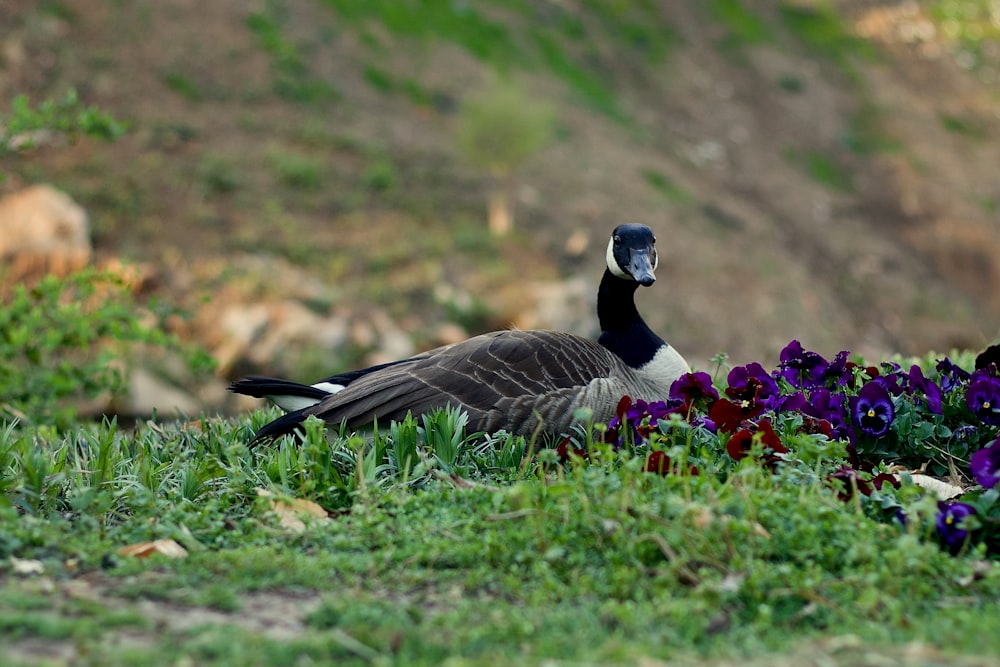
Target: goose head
<point x="632" y="254"/>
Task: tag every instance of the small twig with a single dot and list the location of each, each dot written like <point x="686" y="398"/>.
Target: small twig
<point x="355" y="646"/>
<point x="685" y="574"/>
<point x="509" y="516"/>
<point x="462" y="483"/>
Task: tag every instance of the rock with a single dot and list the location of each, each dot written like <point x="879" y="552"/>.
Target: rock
<point x="239" y="325"/>
<point x="42" y="230"/>
<point x="577" y="243"/>
<point x="566" y="305"/>
<point x="148" y="393"/>
<point x="293" y="325"/>
<point x="448" y="333"/>
<point x="393" y="343"/>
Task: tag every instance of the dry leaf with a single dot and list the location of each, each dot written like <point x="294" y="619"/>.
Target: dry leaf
<point x="166" y="547"/>
<point x="290" y="512"/>
<point x="943" y="490"/>
<point x="26" y="566"/>
<point x="462" y="483"/>
<point x="702" y="517"/>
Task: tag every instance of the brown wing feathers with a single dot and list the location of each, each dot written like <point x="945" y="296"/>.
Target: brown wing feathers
<point x="493" y="373"/>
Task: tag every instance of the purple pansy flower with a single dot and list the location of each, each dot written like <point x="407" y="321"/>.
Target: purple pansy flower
<point x="871" y="410"/>
<point x="950" y="518"/>
<point x="753" y="384"/>
<point x="839" y="371"/>
<point x="923" y="389"/>
<point x="983" y="398"/>
<point x="791" y="403"/>
<point x="892" y="376"/>
<point x="952" y="376"/>
<point x="693" y="387"/>
<point x="987" y="358"/>
<point x="963" y="433"/>
<point x="802" y="368"/>
<point x="824" y="404"/>
<point x="985" y="465"/>
<point x="630" y="417"/>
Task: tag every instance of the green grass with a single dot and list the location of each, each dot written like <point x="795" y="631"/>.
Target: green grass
<point x="491" y="37"/>
<point x="442" y="546"/>
<point x="183" y="86"/>
<point x="817" y="27"/>
<point x="745" y="27"/>
<point x="971" y="26"/>
<point x="968" y="127"/>
<point x="673" y="192"/>
<point x="292" y="76"/>
<point x="296" y="170"/>
<point x="820" y="29"/>
<point x="866" y="134"/>
<point x="821" y="168"/>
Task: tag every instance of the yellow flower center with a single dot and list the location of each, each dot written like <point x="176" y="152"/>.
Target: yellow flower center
<point x="986" y="404"/>
<point x="871" y="412"/>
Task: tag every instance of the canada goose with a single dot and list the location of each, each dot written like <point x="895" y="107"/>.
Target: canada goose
<point x="506" y="380"/>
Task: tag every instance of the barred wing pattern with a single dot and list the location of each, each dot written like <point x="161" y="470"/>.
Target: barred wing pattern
<point x="501" y="379"/>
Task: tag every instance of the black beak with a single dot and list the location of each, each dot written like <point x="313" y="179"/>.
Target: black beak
<point x="641" y="268"/>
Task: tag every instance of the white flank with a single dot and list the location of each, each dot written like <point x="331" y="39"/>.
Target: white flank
<point x="666" y="366"/>
<point x="290" y="403"/>
<point x="329" y="387"/>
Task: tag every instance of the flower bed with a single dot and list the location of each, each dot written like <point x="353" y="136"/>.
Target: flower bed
<point x="886" y="432"/>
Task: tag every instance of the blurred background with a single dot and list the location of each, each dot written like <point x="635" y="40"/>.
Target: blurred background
<point x="322" y="184"/>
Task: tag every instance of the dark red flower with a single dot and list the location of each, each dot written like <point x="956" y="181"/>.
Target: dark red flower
<point x="567" y="447"/>
<point x="728" y="416"/>
<point x="612" y="435"/>
<point x="883" y="478"/>
<point x="850" y="482"/>
<point x="814" y="426"/>
<point x="828" y="406"/>
<point x="658" y="462"/>
<point x="741" y="443"/>
<point x="693" y="388"/>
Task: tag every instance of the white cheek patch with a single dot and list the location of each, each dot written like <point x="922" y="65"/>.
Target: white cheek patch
<point x="613" y="263"/>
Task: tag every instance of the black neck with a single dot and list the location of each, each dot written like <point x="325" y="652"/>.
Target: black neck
<point x="623" y="331"/>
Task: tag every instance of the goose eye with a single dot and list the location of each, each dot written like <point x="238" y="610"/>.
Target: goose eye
<point x="617" y="239"/>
